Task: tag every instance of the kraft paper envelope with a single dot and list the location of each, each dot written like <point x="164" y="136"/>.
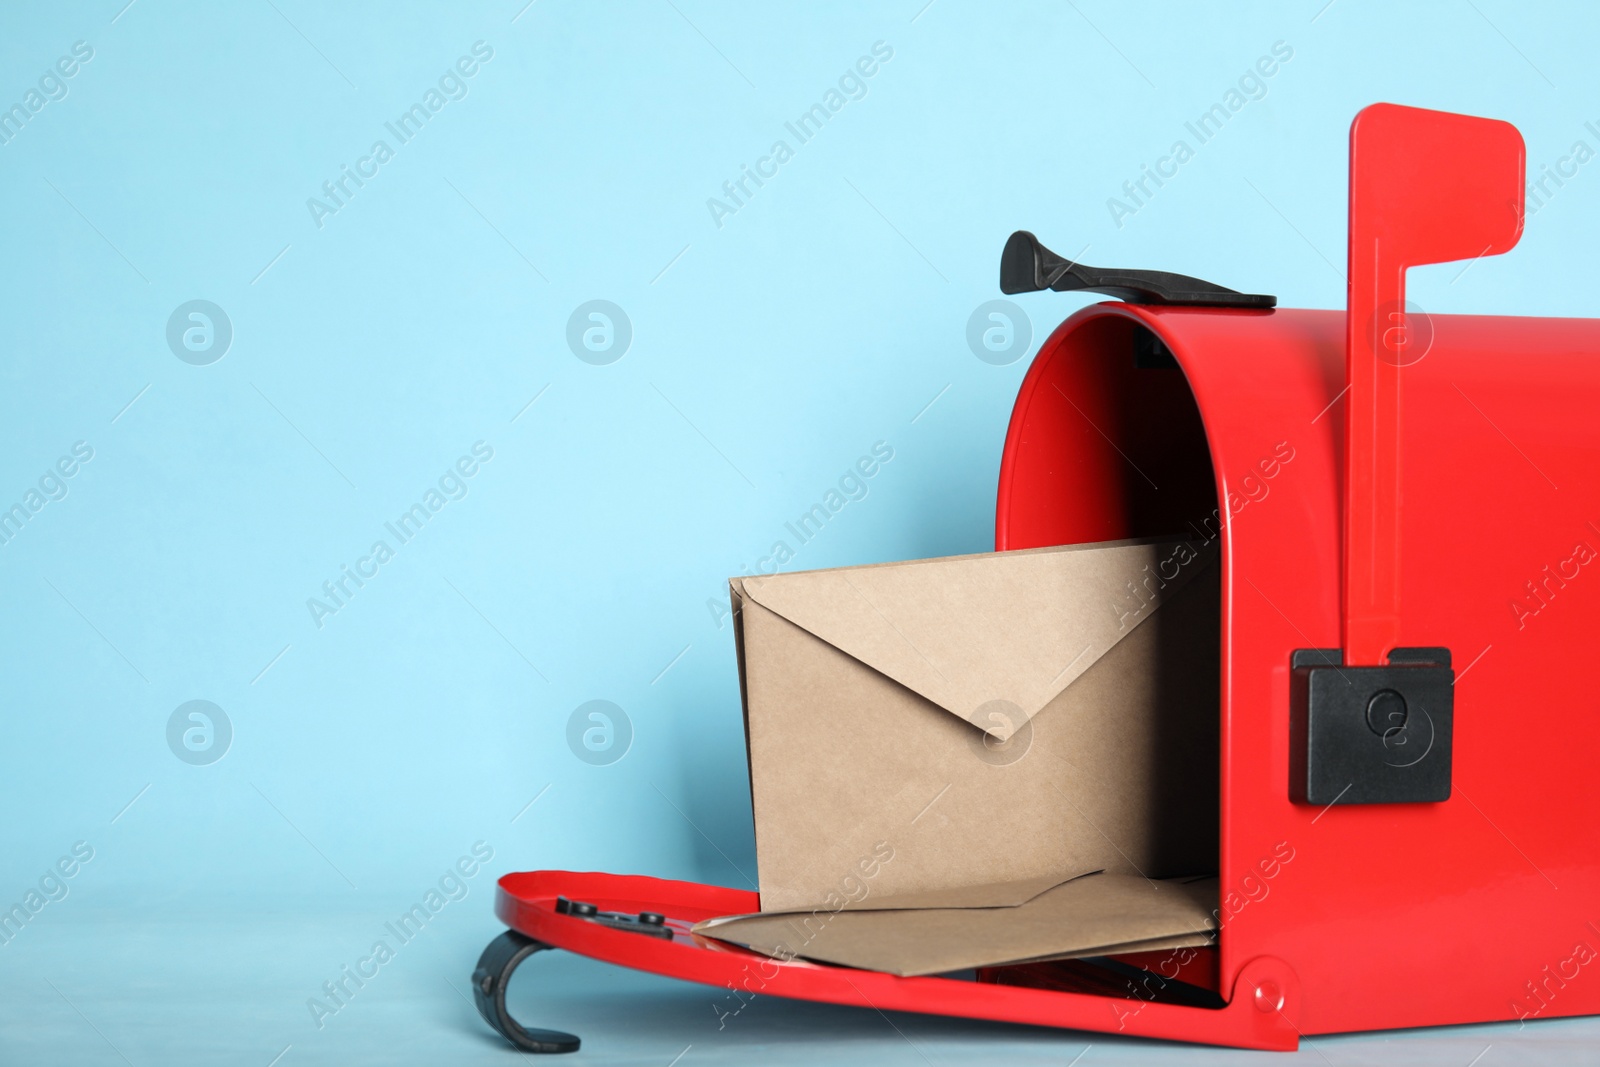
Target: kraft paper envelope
<point x="1094" y="915"/>
<point x="978" y="720"/>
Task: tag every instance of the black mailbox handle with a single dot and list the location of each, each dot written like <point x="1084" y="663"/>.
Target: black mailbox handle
<point x="1026" y="266"/>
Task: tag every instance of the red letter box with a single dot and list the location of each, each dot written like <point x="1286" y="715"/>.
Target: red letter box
<point x="1406" y="508"/>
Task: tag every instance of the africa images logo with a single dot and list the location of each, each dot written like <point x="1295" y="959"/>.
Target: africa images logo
<point x="199" y="332"/>
<point x="599" y="732"/>
<point x="452" y="85"/>
<point x="199" y="733"/>
<point x="599" y="332"/>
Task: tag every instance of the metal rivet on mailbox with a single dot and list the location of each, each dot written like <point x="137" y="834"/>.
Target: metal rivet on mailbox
<point x="1269" y="997"/>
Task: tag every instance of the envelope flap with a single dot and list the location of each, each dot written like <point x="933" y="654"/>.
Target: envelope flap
<point x="1010" y="894"/>
<point x="991" y="638"/>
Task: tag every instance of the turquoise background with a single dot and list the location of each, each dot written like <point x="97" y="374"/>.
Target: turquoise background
<point x="771" y="348"/>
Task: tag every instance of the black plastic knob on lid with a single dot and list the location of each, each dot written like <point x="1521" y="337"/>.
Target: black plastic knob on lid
<point x="1026" y="266"/>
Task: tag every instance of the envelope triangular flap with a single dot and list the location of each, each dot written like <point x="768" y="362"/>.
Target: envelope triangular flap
<point x="991" y="638"/>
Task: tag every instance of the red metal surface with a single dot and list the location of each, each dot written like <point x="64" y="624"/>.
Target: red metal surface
<point x="1392" y="915"/>
<point x="526" y="902"/>
<point x="1425" y="187"/>
<point x="1197" y="967"/>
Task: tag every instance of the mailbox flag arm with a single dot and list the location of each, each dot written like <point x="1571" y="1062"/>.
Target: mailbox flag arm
<point x="1425" y="187"/>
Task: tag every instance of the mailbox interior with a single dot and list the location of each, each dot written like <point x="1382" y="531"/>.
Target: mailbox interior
<point x="1106" y="442"/>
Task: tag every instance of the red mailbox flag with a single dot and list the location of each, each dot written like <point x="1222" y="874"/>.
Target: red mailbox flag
<point x="1425" y="187"/>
